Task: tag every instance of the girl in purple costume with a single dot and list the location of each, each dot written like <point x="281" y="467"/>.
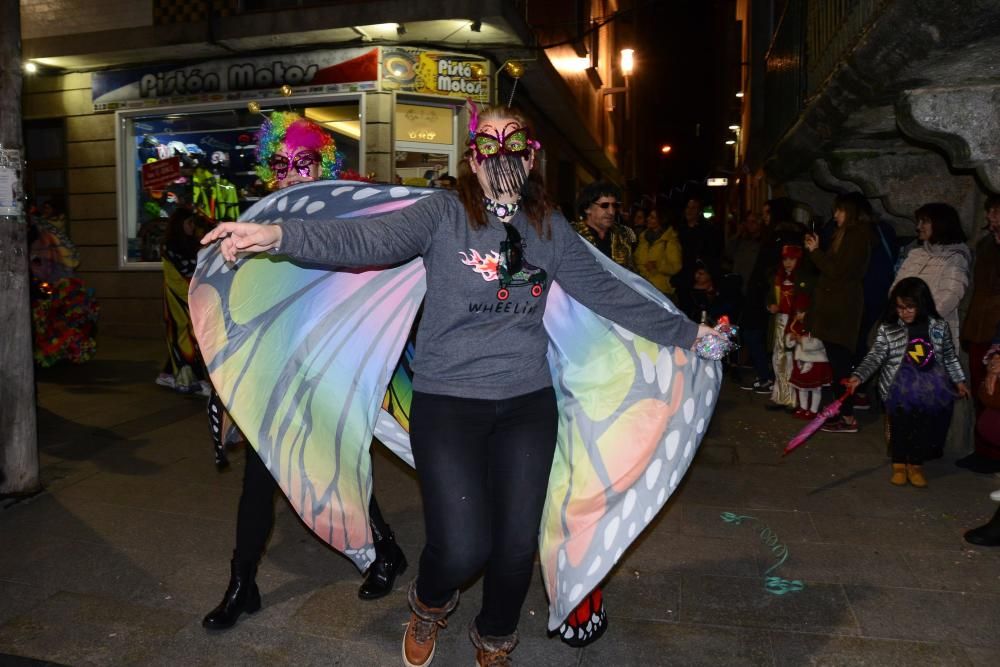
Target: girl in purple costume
<point x="915" y="356"/>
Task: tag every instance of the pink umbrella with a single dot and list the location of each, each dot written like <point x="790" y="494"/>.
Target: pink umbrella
<point x="829" y="411"/>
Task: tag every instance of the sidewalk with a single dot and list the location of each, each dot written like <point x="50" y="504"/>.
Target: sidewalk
<point x="116" y="562"/>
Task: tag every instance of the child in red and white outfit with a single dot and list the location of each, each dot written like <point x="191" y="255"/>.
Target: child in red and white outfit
<point x="811" y="370"/>
<point x="789" y="284"/>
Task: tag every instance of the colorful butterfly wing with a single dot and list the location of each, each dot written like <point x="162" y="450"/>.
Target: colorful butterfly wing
<point x="301" y="357"/>
<point x="631" y="415"/>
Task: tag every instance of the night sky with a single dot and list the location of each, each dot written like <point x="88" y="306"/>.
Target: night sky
<point x="678" y="87"/>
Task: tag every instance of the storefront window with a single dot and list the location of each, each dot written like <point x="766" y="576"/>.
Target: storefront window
<point x="425" y="143"/>
<point x="205" y="159"/>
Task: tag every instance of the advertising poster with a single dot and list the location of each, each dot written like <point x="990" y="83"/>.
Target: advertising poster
<point x="412" y="70"/>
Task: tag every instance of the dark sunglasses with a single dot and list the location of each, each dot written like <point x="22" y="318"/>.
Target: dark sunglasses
<point x="613" y="204"/>
<point x="302" y="162"/>
<point x="514" y="252"/>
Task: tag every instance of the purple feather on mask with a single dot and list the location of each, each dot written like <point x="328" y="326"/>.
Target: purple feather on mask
<point x="473" y="118"/>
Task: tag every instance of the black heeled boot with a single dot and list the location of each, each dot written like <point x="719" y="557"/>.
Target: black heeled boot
<point x="389" y="564"/>
<point x="987" y="535"/>
<point x="241" y="596"/>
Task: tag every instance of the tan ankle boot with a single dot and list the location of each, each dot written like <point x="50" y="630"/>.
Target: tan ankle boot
<point x="916" y="476"/>
<point x="492" y="651"/>
<point x="421" y="632"/>
<point x="898" y="474"/>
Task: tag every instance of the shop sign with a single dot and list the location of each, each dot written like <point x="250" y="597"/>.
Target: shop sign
<point x="161" y="173"/>
<point x="415" y="70"/>
<point x="307" y="73"/>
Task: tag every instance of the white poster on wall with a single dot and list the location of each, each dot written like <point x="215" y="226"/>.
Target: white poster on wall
<point x="9" y="204"/>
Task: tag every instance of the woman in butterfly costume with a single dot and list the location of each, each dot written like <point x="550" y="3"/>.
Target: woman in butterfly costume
<point x="290" y="150"/>
<point x="550" y="387"/>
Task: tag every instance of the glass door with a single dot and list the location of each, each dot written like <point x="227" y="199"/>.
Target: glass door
<point x="425" y="144"/>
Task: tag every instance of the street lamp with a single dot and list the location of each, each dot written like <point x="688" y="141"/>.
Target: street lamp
<point x="666" y="148"/>
<point x="628" y="62"/>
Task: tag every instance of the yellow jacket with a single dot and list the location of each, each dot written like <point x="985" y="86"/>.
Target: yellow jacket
<point x="665" y="251"/>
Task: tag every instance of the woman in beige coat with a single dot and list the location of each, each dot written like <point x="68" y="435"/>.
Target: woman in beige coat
<point x="942" y="260"/>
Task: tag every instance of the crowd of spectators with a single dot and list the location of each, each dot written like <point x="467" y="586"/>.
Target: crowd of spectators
<point x="810" y="295"/>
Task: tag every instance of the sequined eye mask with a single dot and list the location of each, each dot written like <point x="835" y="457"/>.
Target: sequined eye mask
<point x="512" y="140"/>
<point x="302" y="162"/>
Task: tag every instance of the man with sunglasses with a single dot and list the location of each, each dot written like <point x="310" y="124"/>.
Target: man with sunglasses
<point x="290" y="150"/>
<point x="598" y="208"/>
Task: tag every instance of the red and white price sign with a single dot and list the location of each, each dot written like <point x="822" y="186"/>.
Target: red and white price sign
<point x="158" y="175"/>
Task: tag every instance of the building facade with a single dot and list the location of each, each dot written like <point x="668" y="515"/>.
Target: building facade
<point x="140" y="106"/>
<point x="895" y="99"/>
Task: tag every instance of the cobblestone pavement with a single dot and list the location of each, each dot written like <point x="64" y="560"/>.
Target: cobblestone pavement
<point x="128" y="546"/>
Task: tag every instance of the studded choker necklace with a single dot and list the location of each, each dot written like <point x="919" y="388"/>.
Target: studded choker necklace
<point x="501" y="210"/>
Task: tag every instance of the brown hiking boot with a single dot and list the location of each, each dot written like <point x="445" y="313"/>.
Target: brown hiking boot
<point x="492" y="651"/>
<point x="916" y="476"/>
<point x="898" y="474"/>
<point x="421" y="632"/>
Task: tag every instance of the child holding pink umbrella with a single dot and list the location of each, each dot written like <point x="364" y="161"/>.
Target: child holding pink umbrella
<point x="915" y="355"/>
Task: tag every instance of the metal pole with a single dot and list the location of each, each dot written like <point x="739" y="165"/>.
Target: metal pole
<point x="18" y="439"/>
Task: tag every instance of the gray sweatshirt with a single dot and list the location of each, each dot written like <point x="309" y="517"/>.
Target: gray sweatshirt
<point x="474" y="340"/>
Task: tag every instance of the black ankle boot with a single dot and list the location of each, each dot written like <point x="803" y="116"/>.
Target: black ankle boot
<point x="987" y="535"/>
<point x="241" y="596"/>
<point x="389" y="564"/>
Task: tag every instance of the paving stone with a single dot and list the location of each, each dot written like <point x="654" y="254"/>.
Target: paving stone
<point x="982" y="657"/>
<point x="8" y="660"/>
<point x="334" y="611"/>
<point x="197" y="467"/>
<point x="743" y="602"/>
<point x="77" y="629"/>
<point x="703" y="489"/>
<point x="649" y="596"/>
<point x="95" y="569"/>
<point x="794" y="649"/>
<point x="903" y="531"/>
<point x="641" y="643"/>
<point x="33" y="521"/>
<point x="937" y="616"/>
<point x="845" y="563"/>
<point x="18" y="598"/>
<point x="155" y="493"/>
<point x="958" y="569"/>
<point x="669" y="553"/>
<point x="193" y="645"/>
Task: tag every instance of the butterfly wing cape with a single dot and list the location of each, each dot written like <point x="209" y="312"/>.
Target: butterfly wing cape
<point x="313" y="362"/>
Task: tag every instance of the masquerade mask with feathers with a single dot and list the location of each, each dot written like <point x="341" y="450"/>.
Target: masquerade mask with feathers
<point x="513" y="139"/>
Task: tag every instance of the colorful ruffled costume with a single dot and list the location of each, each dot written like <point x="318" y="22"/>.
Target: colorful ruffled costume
<point x="279" y="339"/>
<point x="64" y="311"/>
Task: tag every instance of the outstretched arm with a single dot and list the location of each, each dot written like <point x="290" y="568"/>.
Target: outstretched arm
<point x="581" y="275"/>
<point x="381" y="240"/>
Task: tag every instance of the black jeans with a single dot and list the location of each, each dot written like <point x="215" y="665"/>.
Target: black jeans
<point x="840" y="363"/>
<point x="483" y="467"/>
<point x="912" y="436"/>
<point x="255" y="517"/>
<point x="760" y="357"/>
